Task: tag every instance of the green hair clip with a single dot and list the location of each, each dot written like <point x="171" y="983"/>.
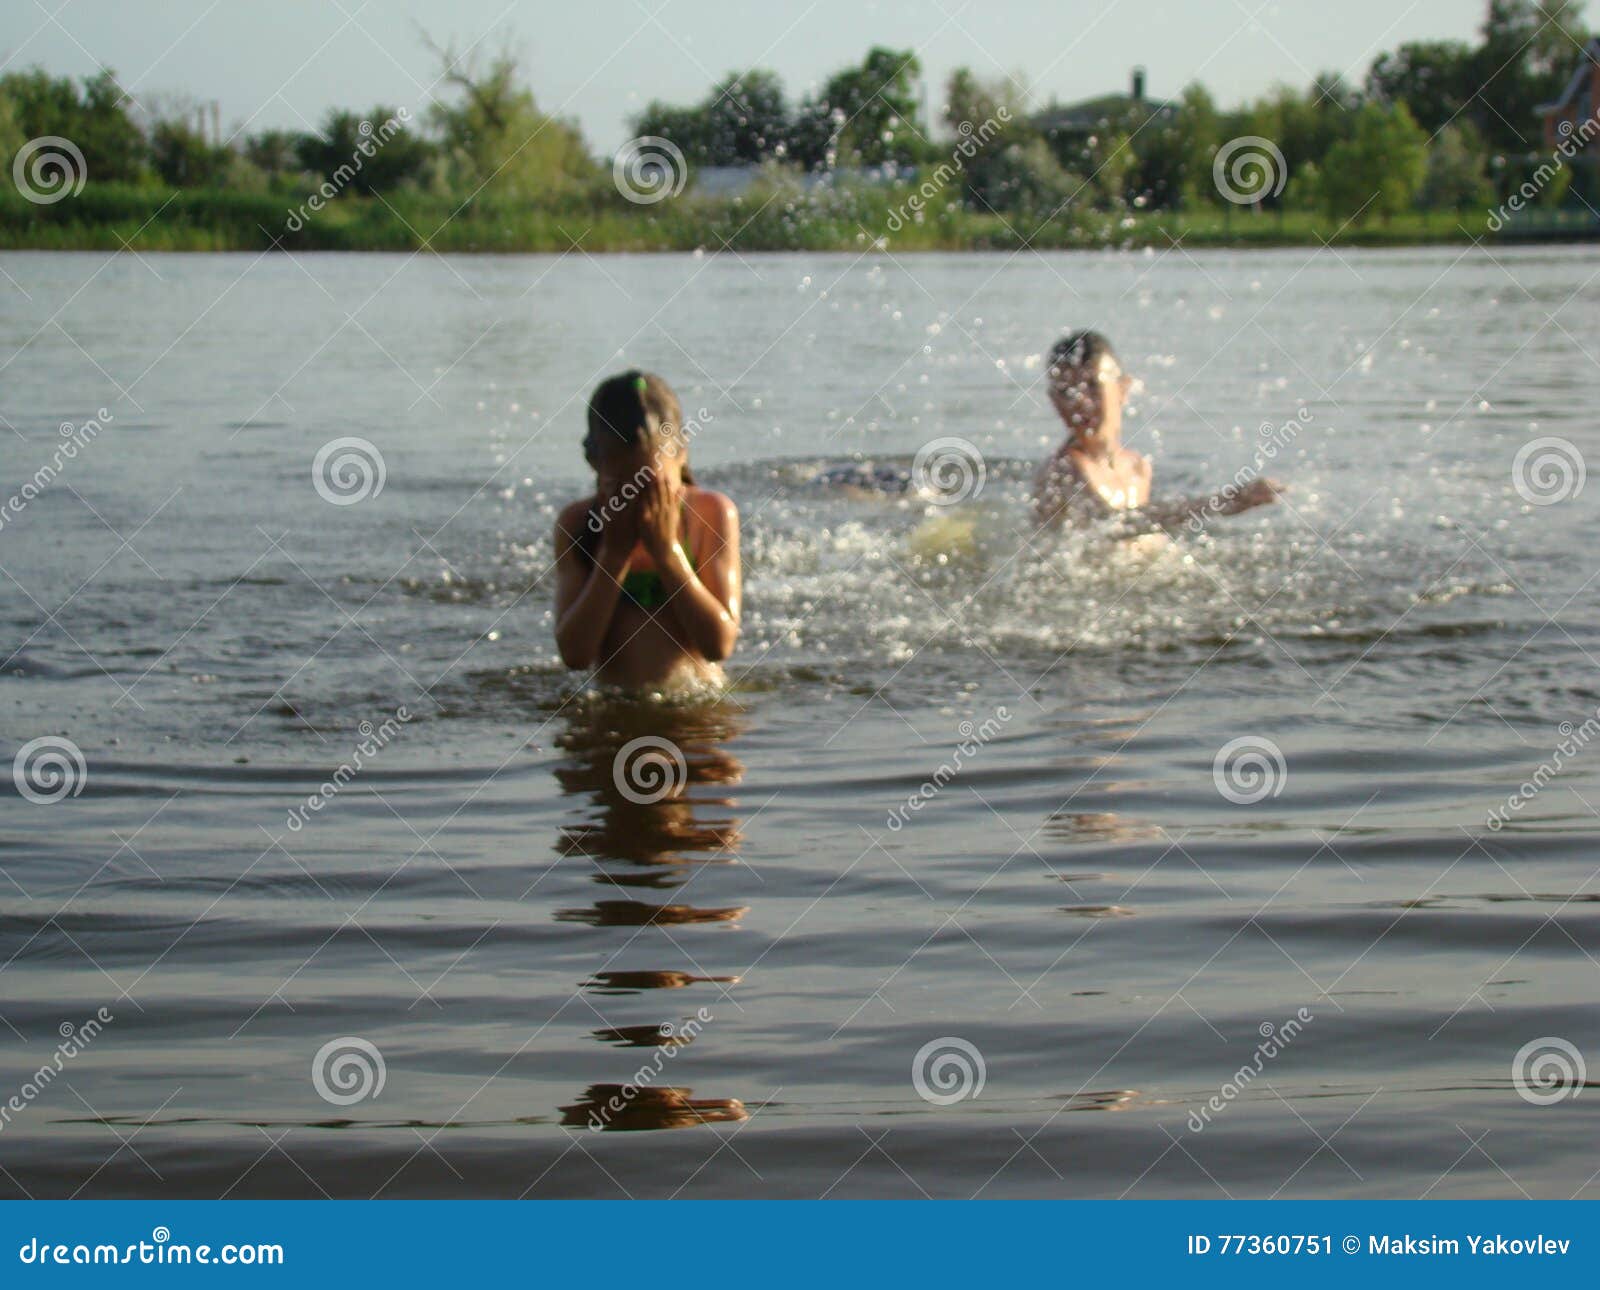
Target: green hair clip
<point x="640" y="384"/>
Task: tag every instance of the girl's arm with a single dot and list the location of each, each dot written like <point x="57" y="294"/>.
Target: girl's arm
<point x="586" y="594"/>
<point x="704" y="602"/>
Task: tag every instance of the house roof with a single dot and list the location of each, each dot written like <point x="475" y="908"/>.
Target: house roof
<point x="1590" y="57"/>
<point x="1090" y="113"/>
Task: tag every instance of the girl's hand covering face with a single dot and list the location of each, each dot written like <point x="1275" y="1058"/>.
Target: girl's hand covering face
<point x="660" y="515"/>
<point x="619" y="516"/>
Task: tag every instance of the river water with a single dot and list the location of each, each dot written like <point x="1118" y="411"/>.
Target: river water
<point x="1007" y="866"/>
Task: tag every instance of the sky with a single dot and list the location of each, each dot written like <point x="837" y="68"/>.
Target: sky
<point x="283" y="63"/>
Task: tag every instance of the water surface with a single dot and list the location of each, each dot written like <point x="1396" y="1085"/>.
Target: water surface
<point x="1077" y="903"/>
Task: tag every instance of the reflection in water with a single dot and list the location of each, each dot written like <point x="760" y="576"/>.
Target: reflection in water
<point x="661" y="1035"/>
<point x="625" y="1108"/>
<point x="1097" y="826"/>
<point x="635" y="913"/>
<point x="650" y="824"/>
<point x="633" y="982"/>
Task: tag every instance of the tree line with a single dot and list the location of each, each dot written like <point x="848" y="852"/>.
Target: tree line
<point x="1434" y="125"/>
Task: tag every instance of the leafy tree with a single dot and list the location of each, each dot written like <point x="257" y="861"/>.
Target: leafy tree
<point x="874" y="108"/>
<point x="1434" y="78"/>
<point x="182" y="155"/>
<point x="742" y="121"/>
<point x="11" y="137"/>
<point x="375" y="153"/>
<point x="683" y="127"/>
<point x="1378" y="170"/>
<point x="747" y="119"/>
<point x="1199" y="135"/>
<point x="1558" y="40"/>
<point x="1024" y="177"/>
<point x="496" y="139"/>
<point x="274" y="153"/>
<point x="1509" y="88"/>
<point x="94" y="117"/>
<point x="1455" y="179"/>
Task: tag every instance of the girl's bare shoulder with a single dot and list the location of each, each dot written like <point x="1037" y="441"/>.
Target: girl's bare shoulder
<point x="714" y="508"/>
<point x="572" y="517"/>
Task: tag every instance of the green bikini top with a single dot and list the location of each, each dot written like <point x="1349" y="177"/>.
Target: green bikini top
<point x="646" y="589"/>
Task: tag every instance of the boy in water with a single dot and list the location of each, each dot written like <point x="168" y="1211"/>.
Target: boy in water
<point x="1092" y="476"/>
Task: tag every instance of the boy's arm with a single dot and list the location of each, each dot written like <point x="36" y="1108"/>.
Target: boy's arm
<point x="1227" y="501"/>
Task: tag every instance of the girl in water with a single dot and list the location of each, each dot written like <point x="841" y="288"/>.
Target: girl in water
<point x="1092" y="476"/>
<point x="647" y="567"/>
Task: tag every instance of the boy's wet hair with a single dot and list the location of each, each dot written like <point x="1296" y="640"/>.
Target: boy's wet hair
<point x="634" y="410"/>
<point x="1075" y="357"/>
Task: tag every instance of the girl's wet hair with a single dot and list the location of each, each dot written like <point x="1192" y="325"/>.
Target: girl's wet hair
<point x="1076" y="357"/>
<point x="631" y="411"/>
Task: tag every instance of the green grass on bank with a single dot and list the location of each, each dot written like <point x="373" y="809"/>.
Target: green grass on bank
<point x="110" y="217"/>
